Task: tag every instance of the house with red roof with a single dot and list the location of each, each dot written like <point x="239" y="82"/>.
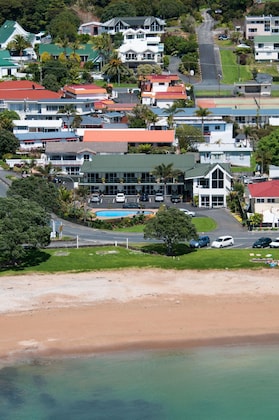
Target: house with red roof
<point x="131" y="136"/>
<point x="162" y="90"/>
<point x="88" y="91"/>
<point x="264" y="199"/>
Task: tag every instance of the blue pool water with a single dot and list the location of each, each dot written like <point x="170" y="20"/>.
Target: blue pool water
<point x="222" y="383"/>
<point x="120" y="213"/>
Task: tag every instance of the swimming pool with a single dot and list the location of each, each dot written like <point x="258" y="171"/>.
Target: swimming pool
<point x="109" y="214"/>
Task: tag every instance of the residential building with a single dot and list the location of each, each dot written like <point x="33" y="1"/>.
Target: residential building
<point x="90" y="28"/>
<point x="140" y="47"/>
<point x="133" y="174"/>
<point x="161" y="90"/>
<point x="266" y="48"/>
<point x="85" y="52"/>
<point x="261" y="26"/>
<point x="38" y="140"/>
<point x="8" y="67"/>
<point x="150" y="24"/>
<point x="10" y="29"/>
<point x="36" y="126"/>
<point x="85" y="91"/>
<point x="131" y="136"/>
<point x="232" y="153"/>
<point x="263" y="198"/>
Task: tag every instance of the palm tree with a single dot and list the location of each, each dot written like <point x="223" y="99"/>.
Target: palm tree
<point x="103" y="44"/>
<point x="19" y="43"/>
<point x="165" y="172"/>
<point x="202" y="113"/>
<point x="171" y="110"/>
<point x="70" y="111"/>
<point x="115" y="68"/>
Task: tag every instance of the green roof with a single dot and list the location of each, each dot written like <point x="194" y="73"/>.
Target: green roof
<point x="56" y="50"/>
<point x="6" y="30"/>
<point x="137" y="162"/>
<point x="202" y="169"/>
<point x="266" y="38"/>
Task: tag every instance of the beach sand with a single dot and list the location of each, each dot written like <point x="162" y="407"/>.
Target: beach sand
<point x="80" y="313"/>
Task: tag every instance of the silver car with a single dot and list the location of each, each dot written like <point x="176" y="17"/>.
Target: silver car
<point x="222" y="241"/>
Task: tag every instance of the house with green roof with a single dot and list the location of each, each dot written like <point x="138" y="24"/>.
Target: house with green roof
<point x="10" y="29"/>
<point x="86" y="52"/>
<point x="8" y="68"/>
<point x="206" y="184"/>
<point x="266" y="47"/>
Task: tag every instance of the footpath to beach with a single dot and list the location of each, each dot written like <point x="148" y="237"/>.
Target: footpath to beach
<point x="53" y="315"/>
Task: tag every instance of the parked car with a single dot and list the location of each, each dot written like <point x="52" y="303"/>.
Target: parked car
<point x="188" y="212"/>
<point x="159" y="197"/>
<point x="95" y="198"/>
<point x="144" y="197"/>
<point x="223" y="37"/>
<point x="274" y="243"/>
<point x="262" y="242"/>
<point x="201" y="242"/>
<point x="222" y="241"/>
<point x="175" y="198"/>
<point x="131" y="206"/>
<point x="120" y="198"/>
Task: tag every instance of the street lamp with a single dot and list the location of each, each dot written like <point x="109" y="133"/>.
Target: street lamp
<point x="219" y="81"/>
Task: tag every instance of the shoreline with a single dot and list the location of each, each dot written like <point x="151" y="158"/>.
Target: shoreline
<point x="132" y="310"/>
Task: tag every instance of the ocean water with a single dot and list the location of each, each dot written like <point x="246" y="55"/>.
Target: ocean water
<point x="223" y="383"/>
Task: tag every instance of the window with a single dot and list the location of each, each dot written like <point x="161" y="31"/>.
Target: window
<point x="205" y="201"/>
<point x="217" y="201"/>
<point x="217" y="179"/>
<point x="271" y="200"/>
<point x="86" y="157"/>
<point x="260" y="200"/>
<point x="217" y="127"/>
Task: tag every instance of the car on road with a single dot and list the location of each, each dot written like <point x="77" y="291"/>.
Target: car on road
<point x="131" y="206"/>
<point x="95" y="198"/>
<point x="120" y="198"/>
<point x="222" y="242"/>
<point x="190" y="213"/>
<point x="262" y="242"/>
<point x="274" y="243"/>
<point x="175" y="198"/>
<point x="201" y="242"/>
<point x="159" y="197"/>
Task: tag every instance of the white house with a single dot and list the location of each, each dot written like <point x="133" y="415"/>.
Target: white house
<point x="266" y="48"/>
<point x="140" y="47"/>
<point x="261" y="26"/>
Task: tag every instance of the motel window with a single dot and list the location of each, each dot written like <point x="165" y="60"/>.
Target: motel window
<point x="217" y="179"/>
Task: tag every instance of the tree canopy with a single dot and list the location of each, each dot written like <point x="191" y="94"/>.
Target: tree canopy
<point x="8" y="142"/>
<point x="267" y="150"/>
<point x="23" y="224"/>
<point x="37" y="189"/>
<point x="171" y="226"/>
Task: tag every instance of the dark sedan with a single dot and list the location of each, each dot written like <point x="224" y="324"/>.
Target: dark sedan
<point x="262" y="242"/>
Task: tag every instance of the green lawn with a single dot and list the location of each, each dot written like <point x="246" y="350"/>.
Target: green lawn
<point x="203" y="224"/>
<point x="232" y="72"/>
<point x="113" y="258"/>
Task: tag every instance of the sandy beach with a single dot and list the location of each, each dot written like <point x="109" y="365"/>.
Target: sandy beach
<point x="75" y="313"/>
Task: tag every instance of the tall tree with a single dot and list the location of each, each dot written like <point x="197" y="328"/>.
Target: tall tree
<point x="8" y="142"/>
<point x="188" y="136"/>
<point x="171" y="226"/>
<point x="36" y="189"/>
<point x="202" y="113"/>
<point x="22" y="222"/>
